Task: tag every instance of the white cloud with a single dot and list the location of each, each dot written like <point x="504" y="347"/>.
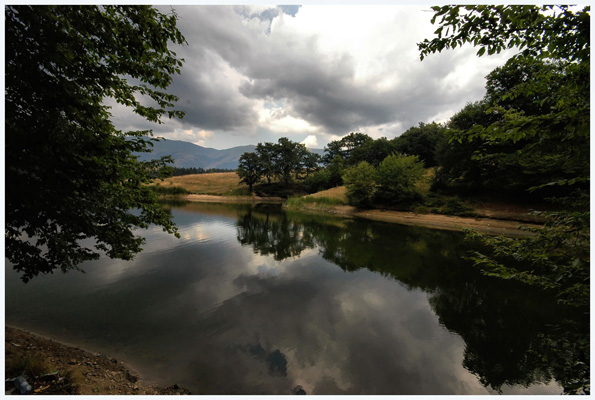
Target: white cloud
<point x="197" y="136"/>
<point x="311" y="142"/>
<point x="276" y="120"/>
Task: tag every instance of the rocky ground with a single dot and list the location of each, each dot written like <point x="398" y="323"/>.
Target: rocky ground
<point x="52" y="368"/>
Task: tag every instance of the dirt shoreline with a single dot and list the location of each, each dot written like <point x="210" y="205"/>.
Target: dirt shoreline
<point x="208" y="198"/>
<point x="490" y="226"/>
<point x="52" y="367"/>
<point x="491" y="223"/>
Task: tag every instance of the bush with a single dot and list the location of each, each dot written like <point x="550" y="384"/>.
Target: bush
<point x="319" y="180"/>
<point x="318" y="202"/>
<point x="360" y="184"/>
<point x="396" y="177"/>
<point x="454" y="206"/>
<point x="448" y="206"/>
<point x="421" y="209"/>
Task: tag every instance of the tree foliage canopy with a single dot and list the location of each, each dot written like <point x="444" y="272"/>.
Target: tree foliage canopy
<point x="537" y="106"/>
<point x="249" y="169"/>
<point x="422" y="141"/>
<point x="549" y="31"/>
<point x="392" y="183"/>
<point x="360" y="182"/>
<point x="70" y="175"/>
<point x="515" y="139"/>
<point x="277" y="160"/>
<point x="397" y="176"/>
<point x="345" y="146"/>
<point x="543" y="92"/>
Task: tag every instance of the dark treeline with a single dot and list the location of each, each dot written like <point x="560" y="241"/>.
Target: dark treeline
<point x="177" y="171"/>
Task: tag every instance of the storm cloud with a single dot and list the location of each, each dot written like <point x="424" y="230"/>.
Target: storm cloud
<point x="253" y="72"/>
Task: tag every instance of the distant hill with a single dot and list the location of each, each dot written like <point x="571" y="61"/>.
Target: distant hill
<point x="188" y="155"/>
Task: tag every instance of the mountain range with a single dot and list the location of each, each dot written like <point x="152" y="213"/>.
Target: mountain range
<point x="188" y="155"/>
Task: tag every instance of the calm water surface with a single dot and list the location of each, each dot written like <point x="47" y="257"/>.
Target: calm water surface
<point x="253" y="300"/>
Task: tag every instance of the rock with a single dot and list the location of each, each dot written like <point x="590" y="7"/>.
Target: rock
<point x="132" y="378"/>
<point x="299" y="390"/>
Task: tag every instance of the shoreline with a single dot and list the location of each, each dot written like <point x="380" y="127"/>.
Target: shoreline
<point x="491" y="226"/>
<point x="56" y="367"/>
<point x="484" y="224"/>
<point x="209" y="198"/>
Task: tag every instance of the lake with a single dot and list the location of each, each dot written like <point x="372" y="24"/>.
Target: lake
<point x="255" y="300"/>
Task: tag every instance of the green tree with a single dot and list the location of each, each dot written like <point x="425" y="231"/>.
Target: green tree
<point x="557" y="34"/>
<point x="373" y="151"/>
<point x="267" y="154"/>
<point x="360" y="184"/>
<point x="539" y="102"/>
<point x="69" y="174"/>
<point x="344" y="147"/>
<point x="351" y="142"/>
<point x="459" y="170"/>
<point x="336" y="169"/>
<point x="396" y="177"/>
<point x="310" y="162"/>
<point x="249" y="169"/>
<point x="422" y="141"/>
<point x="332" y="150"/>
<point x="288" y="158"/>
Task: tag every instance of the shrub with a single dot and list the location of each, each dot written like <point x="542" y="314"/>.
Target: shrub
<point x="454" y="206"/>
<point x="360" y="184"/>
<point x="319" y="180"/>
<point x="421" y="209"/>
<point x="317" y="202"/>
<point x="396" y="177"/>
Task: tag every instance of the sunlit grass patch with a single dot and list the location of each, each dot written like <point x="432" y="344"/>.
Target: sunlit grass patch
<point x="218" y="183"/>
<point x="334" y="193"/>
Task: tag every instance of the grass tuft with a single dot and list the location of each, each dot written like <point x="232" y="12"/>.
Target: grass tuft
<point x="295" y="203"/>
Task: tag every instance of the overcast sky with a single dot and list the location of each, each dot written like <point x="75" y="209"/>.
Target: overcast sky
<point x="311" y="73"/>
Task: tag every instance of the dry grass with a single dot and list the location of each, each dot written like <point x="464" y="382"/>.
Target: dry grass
<point x="334" y="193"/>
<point x="220" y="183"/>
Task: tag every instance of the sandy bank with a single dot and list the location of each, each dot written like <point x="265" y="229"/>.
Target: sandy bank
<point x="436" y="221"/>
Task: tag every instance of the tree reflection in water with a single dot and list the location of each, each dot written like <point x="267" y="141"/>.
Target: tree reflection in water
<point x="514" y="335"/>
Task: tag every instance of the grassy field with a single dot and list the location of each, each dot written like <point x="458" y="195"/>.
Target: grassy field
<point x="220" y="183"/>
